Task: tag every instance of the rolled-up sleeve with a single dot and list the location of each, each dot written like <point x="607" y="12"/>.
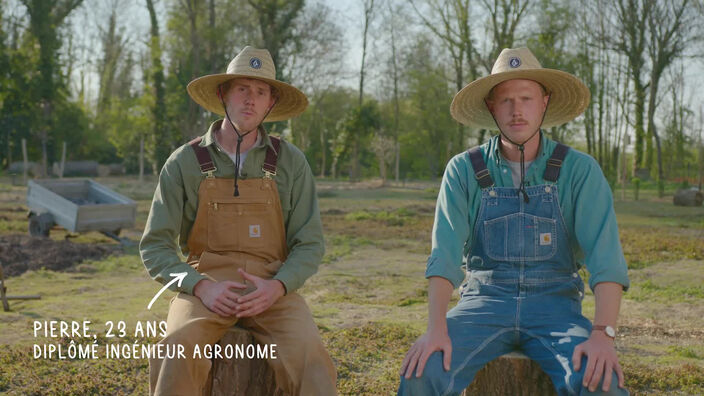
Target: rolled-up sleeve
<point x="451" y="227"/>
<point x="159" y="244"/>
<point x="595" y="226"/>
<point x="304" y="230"/>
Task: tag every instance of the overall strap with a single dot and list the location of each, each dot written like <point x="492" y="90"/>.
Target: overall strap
<point x="205" y="161"/>
<point x="552" y="169"/>
<point x="481" y="173"/>
<point x="272" y="155"/>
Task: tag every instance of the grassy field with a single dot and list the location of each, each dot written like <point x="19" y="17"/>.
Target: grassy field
<point x="369" y="297"/>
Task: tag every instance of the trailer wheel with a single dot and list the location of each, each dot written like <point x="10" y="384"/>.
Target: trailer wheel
<point x="40" y="224"/>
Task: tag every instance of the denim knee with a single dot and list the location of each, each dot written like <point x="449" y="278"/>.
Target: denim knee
<point x="434" y="380"/>
<point x="614" y="390"/>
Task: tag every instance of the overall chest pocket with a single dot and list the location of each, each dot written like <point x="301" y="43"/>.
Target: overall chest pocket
<point x="240" y="225"/>
<point x="520" y="236"/>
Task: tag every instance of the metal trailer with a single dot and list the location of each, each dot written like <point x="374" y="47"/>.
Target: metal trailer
<point x="78" y="205"/>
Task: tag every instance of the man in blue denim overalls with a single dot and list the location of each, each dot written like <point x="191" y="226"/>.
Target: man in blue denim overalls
<point x="524" y="213"/>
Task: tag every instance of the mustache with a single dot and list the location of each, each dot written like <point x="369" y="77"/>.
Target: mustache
<point x="518" y="120"/>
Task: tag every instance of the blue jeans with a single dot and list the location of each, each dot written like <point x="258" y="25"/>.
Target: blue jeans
<point x="522" y="293"/>
<point x="546" y="337"/>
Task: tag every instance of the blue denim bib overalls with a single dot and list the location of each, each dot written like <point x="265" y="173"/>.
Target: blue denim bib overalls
<point x="522" y="292"/>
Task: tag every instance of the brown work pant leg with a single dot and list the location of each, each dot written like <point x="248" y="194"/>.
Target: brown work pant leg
<point x="303" y="365"/>
<point x="189" y="323"/>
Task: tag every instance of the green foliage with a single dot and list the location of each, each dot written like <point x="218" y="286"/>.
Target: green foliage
<point x="643" y="246"/>
<point x="650" y="291"/>
<point x="342" y="246"/>
<point x="685" y="352"/>
<point x="396" y="217"/>
<point x="368" y="357"/>
<point x="319" y="130"/>
<point x="426" y="129"/>
<point x="688" y="378"/>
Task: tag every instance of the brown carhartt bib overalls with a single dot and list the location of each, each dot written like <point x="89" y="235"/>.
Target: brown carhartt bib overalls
<point x="241" y="232"/>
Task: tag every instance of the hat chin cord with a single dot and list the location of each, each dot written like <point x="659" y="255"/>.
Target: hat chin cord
<point x="521" y="147"/>
<point x="240" y="137"/>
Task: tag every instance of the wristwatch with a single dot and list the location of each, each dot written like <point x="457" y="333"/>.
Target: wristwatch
<point x="610" y="332"/>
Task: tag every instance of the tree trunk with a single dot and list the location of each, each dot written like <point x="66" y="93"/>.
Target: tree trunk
<point x="141" y="159"/>
<point x="396" y="100"/>
<point x="661" y="176"/>
<point x="63" y="162"/>
<point x="354" y="166"/>
<point x="640" y="132"/>
<point x="368" y="9"/>
<point x="25" y="160"/>
<point x="382" y="168"/>
<point x="323" y="152"/>
<point x="398" y="159"/>
<point x="652" y="132"/>
<point x="333" y="170"/>
<point x="232" y="377"/>
<point x="512" y="374"/>
<point x="158" y="138"/>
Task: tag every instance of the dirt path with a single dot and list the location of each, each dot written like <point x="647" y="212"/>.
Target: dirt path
<point x="21" y="253"/>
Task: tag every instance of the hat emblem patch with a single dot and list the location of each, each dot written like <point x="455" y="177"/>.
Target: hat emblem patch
<point x="255" y="63"/>
<point x="514" y="62"/>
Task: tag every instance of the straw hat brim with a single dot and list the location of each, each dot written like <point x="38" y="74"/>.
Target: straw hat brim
<point x="291" y="102"/>
<point x="569" y="97"/>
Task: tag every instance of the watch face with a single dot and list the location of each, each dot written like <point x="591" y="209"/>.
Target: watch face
<point x="610" y="331"/>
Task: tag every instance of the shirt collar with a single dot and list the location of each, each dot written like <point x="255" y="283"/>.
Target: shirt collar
<point x="209" y="137"/>
<point x="495" y="153"/>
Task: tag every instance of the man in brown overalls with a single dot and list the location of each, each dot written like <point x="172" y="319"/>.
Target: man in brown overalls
<point x="243" y="208"/>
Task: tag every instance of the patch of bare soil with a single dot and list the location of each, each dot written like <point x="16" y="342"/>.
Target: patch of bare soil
<point x="21" y="253"/>
<point x="333" y="212"/>
<point x="660" y="332"/>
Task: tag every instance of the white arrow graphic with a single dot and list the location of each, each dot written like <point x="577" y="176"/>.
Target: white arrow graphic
<point x="179" y="276"/>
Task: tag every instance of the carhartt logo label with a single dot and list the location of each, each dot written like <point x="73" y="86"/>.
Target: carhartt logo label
<point x="546" y="238"/>
<point x="255" y="231"/>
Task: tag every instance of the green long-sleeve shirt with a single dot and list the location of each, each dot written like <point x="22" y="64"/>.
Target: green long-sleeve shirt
<point x="175" y="205"/>
<point x="584" y="197"/>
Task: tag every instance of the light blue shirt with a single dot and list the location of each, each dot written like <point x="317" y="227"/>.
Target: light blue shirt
<point x="585" y="200"/>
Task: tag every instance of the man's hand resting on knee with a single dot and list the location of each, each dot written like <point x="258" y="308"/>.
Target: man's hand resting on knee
<point x="421" y="350"/>
<point x="436" y="337"/>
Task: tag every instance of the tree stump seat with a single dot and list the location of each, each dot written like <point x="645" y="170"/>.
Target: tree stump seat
<point x="234" y="377"/>
<point x="511" y="374"/>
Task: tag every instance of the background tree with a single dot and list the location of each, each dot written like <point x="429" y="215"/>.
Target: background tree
<point x="671" y="25"/>
<point x="45" y="19"/>
<point x="158" y="147"/>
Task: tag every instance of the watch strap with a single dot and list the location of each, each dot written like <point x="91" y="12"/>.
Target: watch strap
<point x="602" y="328"/>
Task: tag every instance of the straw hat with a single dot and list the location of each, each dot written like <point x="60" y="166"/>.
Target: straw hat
<point x="569" y="96"/>
<point x="250" y="63"/>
